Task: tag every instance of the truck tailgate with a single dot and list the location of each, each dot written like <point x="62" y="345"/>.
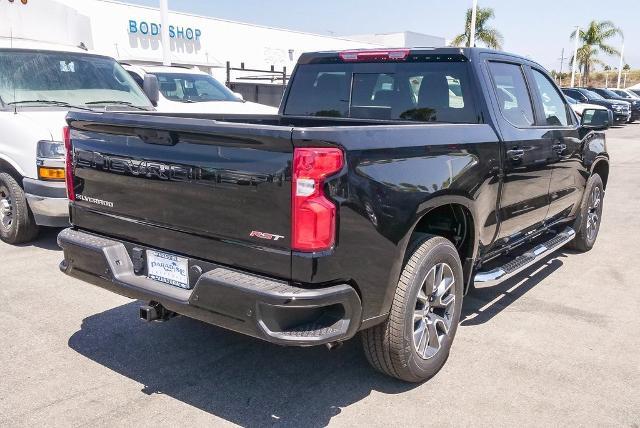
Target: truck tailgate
<point x="211" y="190"/>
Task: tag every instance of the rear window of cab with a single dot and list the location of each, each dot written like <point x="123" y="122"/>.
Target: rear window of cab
<point x="423" y="91"/>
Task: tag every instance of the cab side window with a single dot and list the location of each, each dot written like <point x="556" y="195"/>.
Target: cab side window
<point x="576" y="95"/>
<point x="556" y="112"/>
<point x="511" y="90"/>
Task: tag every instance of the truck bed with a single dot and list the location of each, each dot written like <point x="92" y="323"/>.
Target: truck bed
<point x="199" y="187"/>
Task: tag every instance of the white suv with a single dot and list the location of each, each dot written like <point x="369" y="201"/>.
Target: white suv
<point x="187" y="90"/>
<point x="39" y="84"/>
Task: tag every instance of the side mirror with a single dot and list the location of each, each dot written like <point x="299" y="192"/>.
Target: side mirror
<point x="151" y="88"/>
<point x="239" y="96"/>
<point x="595" y="119"/>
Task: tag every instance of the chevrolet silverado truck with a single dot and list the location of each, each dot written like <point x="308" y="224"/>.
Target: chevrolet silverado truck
<point x="390" y="184"/>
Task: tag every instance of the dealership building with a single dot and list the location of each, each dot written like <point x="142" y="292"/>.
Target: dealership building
<point x="131" y="33"/>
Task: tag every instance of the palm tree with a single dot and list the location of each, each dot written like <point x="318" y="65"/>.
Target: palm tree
<point x="594" y="39"/>
<point x="487" y="35"/>
<point x="587" y="60"/>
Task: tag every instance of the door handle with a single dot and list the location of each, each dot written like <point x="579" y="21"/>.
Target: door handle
<point x="515" y="154"/>
<point x="559" y="148"/>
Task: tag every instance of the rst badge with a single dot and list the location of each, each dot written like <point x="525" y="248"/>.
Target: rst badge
<point x="264" y="235"/>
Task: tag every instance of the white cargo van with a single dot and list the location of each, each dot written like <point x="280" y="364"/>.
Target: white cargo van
<point x="188" y="90"/>
<point x="39" y="84"/>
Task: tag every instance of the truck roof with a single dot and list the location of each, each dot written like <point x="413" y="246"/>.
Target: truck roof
<point x="467" y="53"/>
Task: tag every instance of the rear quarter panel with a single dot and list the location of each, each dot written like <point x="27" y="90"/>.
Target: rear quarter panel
<point x="392" y="177"/>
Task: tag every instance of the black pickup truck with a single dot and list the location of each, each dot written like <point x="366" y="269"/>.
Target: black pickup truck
<point x="390" y="184"/>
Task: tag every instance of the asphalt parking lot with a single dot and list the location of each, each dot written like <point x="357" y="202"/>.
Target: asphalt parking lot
<point x="557" y="345"/>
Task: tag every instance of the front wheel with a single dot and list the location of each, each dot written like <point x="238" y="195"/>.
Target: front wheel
<point x="414" y="342"/>
<point x="17" y="224"/>
<point x="590" y="215"/>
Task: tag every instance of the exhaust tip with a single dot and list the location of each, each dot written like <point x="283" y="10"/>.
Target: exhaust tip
<point x="334" y="345"/>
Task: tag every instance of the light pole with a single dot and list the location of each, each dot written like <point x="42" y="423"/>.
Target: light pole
<point x="472" y="30"/>
<point x="575" y="57"/>
<point x="621" y="61"/>
<point x="561" y="64"/>
<point x="164" y="32"/>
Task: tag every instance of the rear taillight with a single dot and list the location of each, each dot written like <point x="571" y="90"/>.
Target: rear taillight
<point x="66" y="133"/>
<point x="374" y="55"/>
<point x="313" y="215"/>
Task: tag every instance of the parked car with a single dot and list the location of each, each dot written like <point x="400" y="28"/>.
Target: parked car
<point x="579" y="108"/>
<point x="610" y="95"/>
<point x="621" y="109"/>
<point x="626" y="94"/>
<point x="187" y="90"/>
<point x="635" y="91"/>
<point x="39" y="84"/>
<point x="363" y="206"/>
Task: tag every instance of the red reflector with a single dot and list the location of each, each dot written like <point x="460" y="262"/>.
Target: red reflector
<point x="313" y="216"/>
<point x="375" y="55"/>
<point x="66" y="134"/>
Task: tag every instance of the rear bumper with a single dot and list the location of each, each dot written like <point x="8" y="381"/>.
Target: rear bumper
<point x="265" y="308"/>
<point x="48" y="202"/>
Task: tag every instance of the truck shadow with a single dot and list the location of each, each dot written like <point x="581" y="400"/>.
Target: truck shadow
<point x="240" y="379"/>
<point x="253" y="383"/>
<point x="482" y="305"/>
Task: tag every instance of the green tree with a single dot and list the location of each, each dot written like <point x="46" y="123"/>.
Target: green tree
<point x="626" y="67"/>
<point x="484" y="33"/>
<point x="594" y="39"/>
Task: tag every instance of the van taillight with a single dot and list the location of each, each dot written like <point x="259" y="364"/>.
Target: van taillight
<point x="66" y="133"/>
<point x="313" y="215"/>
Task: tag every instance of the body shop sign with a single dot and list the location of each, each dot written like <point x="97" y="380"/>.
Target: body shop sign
<point x="153" y="29"/>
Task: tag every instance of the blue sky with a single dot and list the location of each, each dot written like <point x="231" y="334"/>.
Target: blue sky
<point x="535" y="28"/>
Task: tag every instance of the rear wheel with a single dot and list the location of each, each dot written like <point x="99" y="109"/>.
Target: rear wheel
<point x="17" y="224"/>
<point x="414" y="342"/>
<point x="588" y="221"/>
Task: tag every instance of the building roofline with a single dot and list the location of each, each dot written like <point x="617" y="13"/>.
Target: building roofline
<point x="235" y="22"/>
<point x="390" y="33"/>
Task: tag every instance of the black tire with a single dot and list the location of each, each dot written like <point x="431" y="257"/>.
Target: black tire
<point x="586" y="235"/>
<point x="17" y="224"/>
<point x="391" y="346"/>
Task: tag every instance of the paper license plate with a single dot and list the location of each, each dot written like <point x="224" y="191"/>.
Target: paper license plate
<point x="168" y="268"/>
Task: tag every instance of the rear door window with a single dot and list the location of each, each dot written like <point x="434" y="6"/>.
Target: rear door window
<point x="511" y="91"/>
<point x="414" y="91"/>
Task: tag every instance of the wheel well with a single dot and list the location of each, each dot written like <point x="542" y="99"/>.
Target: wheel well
<point x="9" y="169"/>
<point x="602" y="169"/>
<point x="451" y="221"/>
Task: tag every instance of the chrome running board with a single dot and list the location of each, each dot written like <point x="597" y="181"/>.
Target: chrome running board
<point x="506" y="271"/>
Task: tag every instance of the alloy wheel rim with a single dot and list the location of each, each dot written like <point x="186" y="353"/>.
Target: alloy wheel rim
<point x="593" y="212"/>
<point x="433" y="311"/>
<point x="6" y="209"/>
